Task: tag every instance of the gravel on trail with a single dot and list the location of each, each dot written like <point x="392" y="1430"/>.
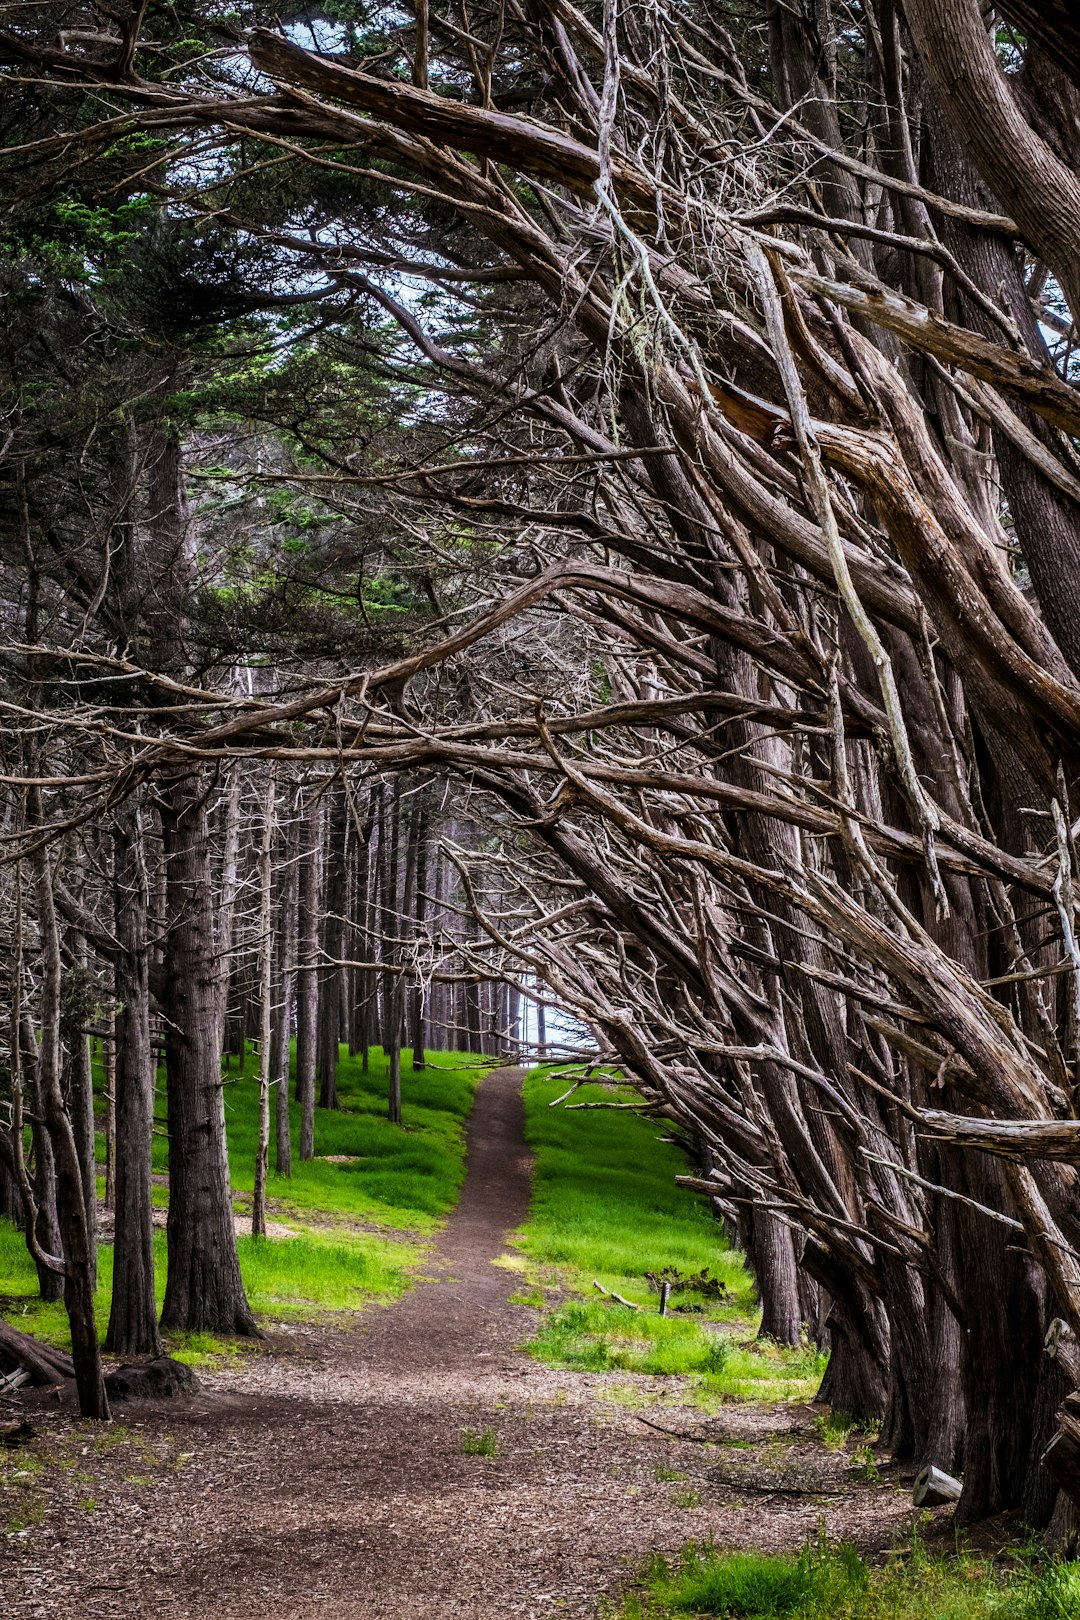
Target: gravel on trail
<point x="327" y="1475"/>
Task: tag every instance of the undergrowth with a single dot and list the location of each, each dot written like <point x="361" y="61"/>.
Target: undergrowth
<point x="605" y="1208"/>
<point x="834" y="1583"/>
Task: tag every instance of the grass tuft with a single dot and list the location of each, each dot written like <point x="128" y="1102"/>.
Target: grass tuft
<point x="834" y="1583"/>
<point x="480" y="1442"/>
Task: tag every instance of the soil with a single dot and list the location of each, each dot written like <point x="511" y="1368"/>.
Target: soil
<point x="328" y="1477"/>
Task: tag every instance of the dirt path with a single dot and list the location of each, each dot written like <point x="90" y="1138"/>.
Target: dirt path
<point x="327" y="1479"/>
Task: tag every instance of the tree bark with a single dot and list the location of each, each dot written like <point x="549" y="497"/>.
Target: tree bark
<point x="771" y="1253"/>
<point x="331" y="975"/>
<point x="204" y="1291"/>
<point x="307" y="977"/>
<point x="133" y="1328"/>
<point x="70" y="1195"/>
<point x="285" y="991"/>
<point x="266" y="991"/>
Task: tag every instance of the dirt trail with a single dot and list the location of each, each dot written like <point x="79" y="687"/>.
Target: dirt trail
<point x="326" y="1479"/>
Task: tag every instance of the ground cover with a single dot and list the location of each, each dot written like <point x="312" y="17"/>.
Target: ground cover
<point x="605" y="1209"/>
<point x="352" y="1224"/>
<point x="834" y="1583"/>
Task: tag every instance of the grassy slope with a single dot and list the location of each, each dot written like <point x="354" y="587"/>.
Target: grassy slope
<point x="359" y="1226"/>
<point x="605" y="1206"/>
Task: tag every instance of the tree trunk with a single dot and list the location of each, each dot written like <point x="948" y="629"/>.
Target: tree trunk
<point x="285" y="993"/>
<point x="11" y="1204"/>
<point x="307" y="979"/>
<point x="771" y="1253"/>
<point x="330" y="988"/>
<point x="70" y="1195"/>
<point x="266" y="992"/>
<point x="46" y="1221"/>
<point x="204" y="1291"/>
<point x="391" y="948"/>
<point x="133" y="1329"/>
<point x="419" y="869"/>
<point x="79" y="1094"/>
<point x="108" y="1064"/>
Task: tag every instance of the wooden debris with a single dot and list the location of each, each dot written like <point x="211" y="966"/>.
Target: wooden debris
<point x="41" y="1363"/>
<point x="619" y="1300"/>
<point x="934" y="1487"/>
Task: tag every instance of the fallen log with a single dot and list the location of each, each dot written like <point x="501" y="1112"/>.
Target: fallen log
<point x="1061" y="1459"/>
<point x="43" y="1364"/>
<point x="934" y="1487"/>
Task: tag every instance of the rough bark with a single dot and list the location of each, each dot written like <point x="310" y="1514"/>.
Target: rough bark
<point x="70" y="1195"/>
<point x="133" y="1329"/>
<point x="307" y="976"/>
<point x="330" y="978"/>
<point x="204" y="1291"/>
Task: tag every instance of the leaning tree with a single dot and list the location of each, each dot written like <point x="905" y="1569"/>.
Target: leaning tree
<point x="753" y="329"/>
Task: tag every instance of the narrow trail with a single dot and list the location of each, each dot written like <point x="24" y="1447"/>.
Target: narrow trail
<point x="326" y="1479"/>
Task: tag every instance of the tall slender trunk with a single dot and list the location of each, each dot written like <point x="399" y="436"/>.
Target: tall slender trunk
<point x="78" y="1090"/>
<point x="11" y="1204"/>
<point x="204" y="1291"/>
<point x="266" y="989"/>
<point x="418" y="864"/>
<point x="307" y="982"/>
<point x="70" y="1200"/>
<point x="133" y="1328"/>
<point x="364" y="914"/>
<point x="541" y="1028"/>
<point x="108" y="1064"/>
<point x="392" y="924"/>
<point x="331" y="985"/>
<point x="46" y="1222"/>
<point x="285" y="993"/>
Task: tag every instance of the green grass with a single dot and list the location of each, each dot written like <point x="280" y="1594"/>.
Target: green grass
<point x="407" y="1176"/>
<point x="480" y="1443"/>
<point x="834" y="1583"/>
<point x="605" y="1207"/>
<point x="398" y="1183"/>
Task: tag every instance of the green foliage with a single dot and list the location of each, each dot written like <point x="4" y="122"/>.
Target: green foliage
<point x="834" y="1427"/>
<point x="605" y="1201"/>
<point x="834" y="1583"/>
<point x="480" y="1443"/>
<point x="286" y="1277"/>
<point x="754" y="1586"/>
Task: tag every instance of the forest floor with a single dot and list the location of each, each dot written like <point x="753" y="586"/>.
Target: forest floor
<point x="417" y="1465"/>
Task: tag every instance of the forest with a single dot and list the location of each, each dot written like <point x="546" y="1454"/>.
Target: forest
<point x="540" y="751"/>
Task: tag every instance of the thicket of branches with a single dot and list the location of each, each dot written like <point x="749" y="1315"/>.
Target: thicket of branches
<point x="692" y="388"/>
